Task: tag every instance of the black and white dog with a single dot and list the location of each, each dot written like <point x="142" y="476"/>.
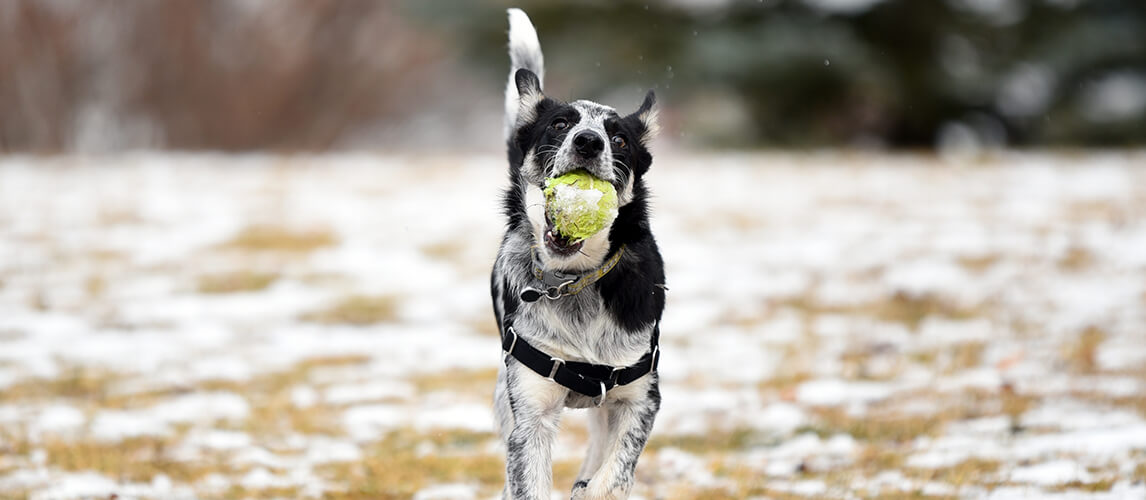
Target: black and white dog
<point x="579" y="320"/>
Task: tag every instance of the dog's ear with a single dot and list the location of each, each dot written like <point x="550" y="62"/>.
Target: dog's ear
<point x="648" y="116"/>
<point x="528" y="95"/>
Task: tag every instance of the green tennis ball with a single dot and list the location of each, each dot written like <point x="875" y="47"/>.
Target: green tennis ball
<point x="579" y="205"/>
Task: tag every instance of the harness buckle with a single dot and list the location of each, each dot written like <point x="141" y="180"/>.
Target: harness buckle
<point x="505" y="357"/>
<point x="557" y="362"/>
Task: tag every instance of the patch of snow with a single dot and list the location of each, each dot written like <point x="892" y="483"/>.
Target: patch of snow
<point x="57" y="419"/>
<point x="456" y="491"/>
<point x="371" y="422"/>
<point x="116" y="425"/>
<point x="369" y="391"/>
<point x="202" y="407"/>
<point x="1051" y="473"/>
<point x="834" y="392"/>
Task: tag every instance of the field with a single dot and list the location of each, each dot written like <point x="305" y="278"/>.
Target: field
<point x="839" y="325"/>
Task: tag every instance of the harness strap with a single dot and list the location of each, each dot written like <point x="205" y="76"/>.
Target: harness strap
<point x="585" y="378"/>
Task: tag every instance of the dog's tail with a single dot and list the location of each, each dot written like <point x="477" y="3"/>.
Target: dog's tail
<point x="524" y="53"/>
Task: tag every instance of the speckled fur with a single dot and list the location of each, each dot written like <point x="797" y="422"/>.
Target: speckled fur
<point x="610" y="322"/>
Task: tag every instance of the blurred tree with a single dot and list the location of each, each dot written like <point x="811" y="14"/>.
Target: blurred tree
<point x="830" y="72"/>
<point x="98" y="75"/>
<point x="204" y="74"/>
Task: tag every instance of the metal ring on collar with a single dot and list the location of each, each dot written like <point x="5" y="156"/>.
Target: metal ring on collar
<point x="556" y="292"/>
<point x="603" y="392"/>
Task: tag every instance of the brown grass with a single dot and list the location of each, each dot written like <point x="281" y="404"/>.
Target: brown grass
<point x="966" y="355"/>
<point x="971" y="471"/>
<point x="876" y="426"/>
<point x="273" y="413"/>
<point x="900" y="307"/>
<point x="716" y="441"/>
<point x="486" y="325"/>
<point x="465" y="381"/>
<point x="279" y="239"/>
<point x="1095" y="487"/>
<point x="1082" y="354"/>
<point x="394" y="468"/>
<point x="357" y="310"/>
<point x="78" y="384"/>
<point x="240" y="281"/>
<point x="980" y="263"/>
<point x="1076" y="259"/>
<point x="135" y="459"/>
<point x="449" y="251"/>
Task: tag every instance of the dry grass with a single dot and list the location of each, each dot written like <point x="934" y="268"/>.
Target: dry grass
<point x="135" y="459"/>
<point x="273" y="412"/>
<point x="239" y="281"/>
<point x="971" y="471"/>
<point x="95" y="285"/>
<point x="463" y="381"/>
<point x="359" y="310"/>
<point x="715" y="441"/>
<point x="900" y="307"/>
<point x="87" y="385"/>
<point x="877" y="427"/>
<point x="1094" y="487"/>
<point x="1076" y="259"/>
<point x="399" y="465"/>
<point x="449" y="251"/>
<point x="979" y="263"/>
<point x="1082" y="354"/>
<point x="263" y="493"/>
<point x="485" y="325"/>
<point x="911" y="310"/>
<point x="279" y="239"/>
<point x="966" y="355"/>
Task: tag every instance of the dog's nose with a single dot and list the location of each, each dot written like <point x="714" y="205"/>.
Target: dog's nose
<point x="588" y="143"/>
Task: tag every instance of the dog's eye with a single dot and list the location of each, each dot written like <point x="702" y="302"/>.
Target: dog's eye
<point x="618" y="141"/>
<point x="560" y="124"/>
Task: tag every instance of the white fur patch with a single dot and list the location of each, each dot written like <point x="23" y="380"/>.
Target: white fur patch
<point x="651" y="119"/>
<point x="524" y="52"/>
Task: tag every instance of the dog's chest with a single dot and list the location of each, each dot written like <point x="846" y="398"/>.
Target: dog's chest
<point x="579" y="327"/>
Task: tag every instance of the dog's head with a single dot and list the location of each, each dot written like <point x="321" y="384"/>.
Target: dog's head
<point x="556" y="138"/>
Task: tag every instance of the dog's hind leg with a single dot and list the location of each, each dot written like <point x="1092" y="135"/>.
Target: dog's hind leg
<point x="536" y="403"/>
<point x="629" y="425"/>
<point x="598" y="441"/>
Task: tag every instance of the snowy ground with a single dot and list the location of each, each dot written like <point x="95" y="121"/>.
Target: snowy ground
<point x="838" y="326"/>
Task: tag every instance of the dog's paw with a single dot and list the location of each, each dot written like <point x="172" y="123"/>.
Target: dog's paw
<point x="579" y="488"/>
<point x="585" y="490"/>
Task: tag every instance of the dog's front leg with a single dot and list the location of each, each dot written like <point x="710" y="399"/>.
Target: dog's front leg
<point x="536" y="403"/>
<point x="629" y="423"/>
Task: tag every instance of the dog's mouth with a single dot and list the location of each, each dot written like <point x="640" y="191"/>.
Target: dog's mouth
<point x="557" y="244"/>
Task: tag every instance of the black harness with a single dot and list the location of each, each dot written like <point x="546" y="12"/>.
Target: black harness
<point x="584" y="378"/>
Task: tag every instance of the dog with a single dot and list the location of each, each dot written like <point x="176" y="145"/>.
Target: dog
<point x="579" y="321"/>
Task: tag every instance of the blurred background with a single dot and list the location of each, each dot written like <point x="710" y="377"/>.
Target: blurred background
<point x="245" y="245"/>
<point x="301" y="75"/>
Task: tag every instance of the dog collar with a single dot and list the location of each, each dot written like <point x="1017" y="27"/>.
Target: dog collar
<point x="559" y="284"/>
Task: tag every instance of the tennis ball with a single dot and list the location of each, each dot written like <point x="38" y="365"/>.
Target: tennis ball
<point x="579" y="205"/>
